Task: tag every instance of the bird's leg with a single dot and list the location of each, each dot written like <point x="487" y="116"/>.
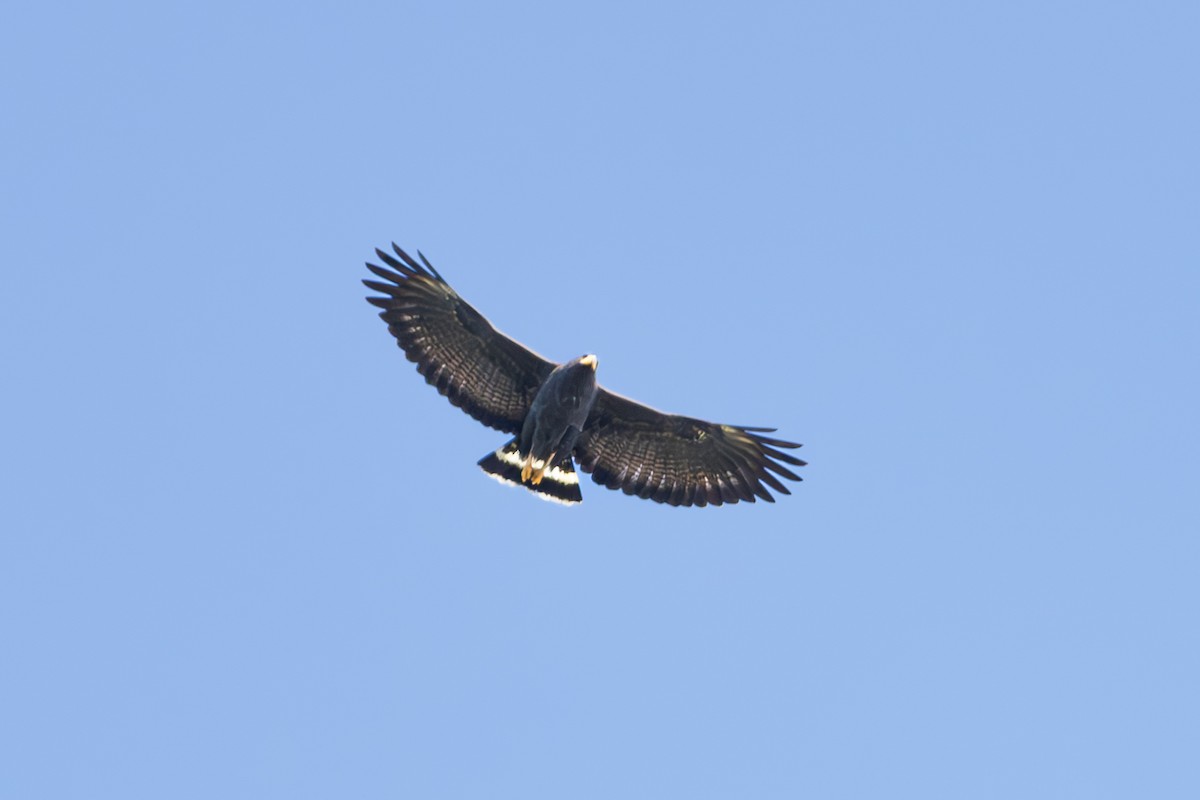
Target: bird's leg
<point x="540" y="472"/>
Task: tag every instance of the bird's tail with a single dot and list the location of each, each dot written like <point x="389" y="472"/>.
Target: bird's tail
<point x="557" y="482"/>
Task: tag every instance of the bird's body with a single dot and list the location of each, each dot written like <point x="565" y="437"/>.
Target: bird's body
<point x="544" y="448"/>
<point x="558" y="413"/>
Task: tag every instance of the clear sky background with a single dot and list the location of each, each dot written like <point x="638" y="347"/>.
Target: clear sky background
<point x="951" y="247"/>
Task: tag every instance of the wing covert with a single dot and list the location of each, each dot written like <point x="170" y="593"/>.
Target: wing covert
<point x="477" y="368"/>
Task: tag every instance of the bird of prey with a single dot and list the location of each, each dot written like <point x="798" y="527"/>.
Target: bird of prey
<point x="557" y="413"/>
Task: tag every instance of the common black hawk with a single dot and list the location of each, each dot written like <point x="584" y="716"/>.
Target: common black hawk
<point x="557" y="412"/>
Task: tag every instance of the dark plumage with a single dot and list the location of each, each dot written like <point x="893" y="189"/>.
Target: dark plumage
<point x="559" y="415"/>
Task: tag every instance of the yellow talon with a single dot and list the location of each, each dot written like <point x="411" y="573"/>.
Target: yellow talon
<point x="540" y="472"/>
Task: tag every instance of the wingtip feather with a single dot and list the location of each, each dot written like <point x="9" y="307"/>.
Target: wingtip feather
<point x="429" y="266"/>
<point x="408" y="259"/>
<point x="391" y="261"/>
<point x="386" y="274"/>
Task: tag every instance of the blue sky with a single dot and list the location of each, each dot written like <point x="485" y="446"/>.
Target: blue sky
<point x="950" y="247"/>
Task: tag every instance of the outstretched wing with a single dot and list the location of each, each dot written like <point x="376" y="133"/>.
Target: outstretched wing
<point x="679" y="460"/>
<point x="479" y="369"/>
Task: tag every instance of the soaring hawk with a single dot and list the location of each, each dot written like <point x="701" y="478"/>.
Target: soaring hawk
<point x="559" y="415"/>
